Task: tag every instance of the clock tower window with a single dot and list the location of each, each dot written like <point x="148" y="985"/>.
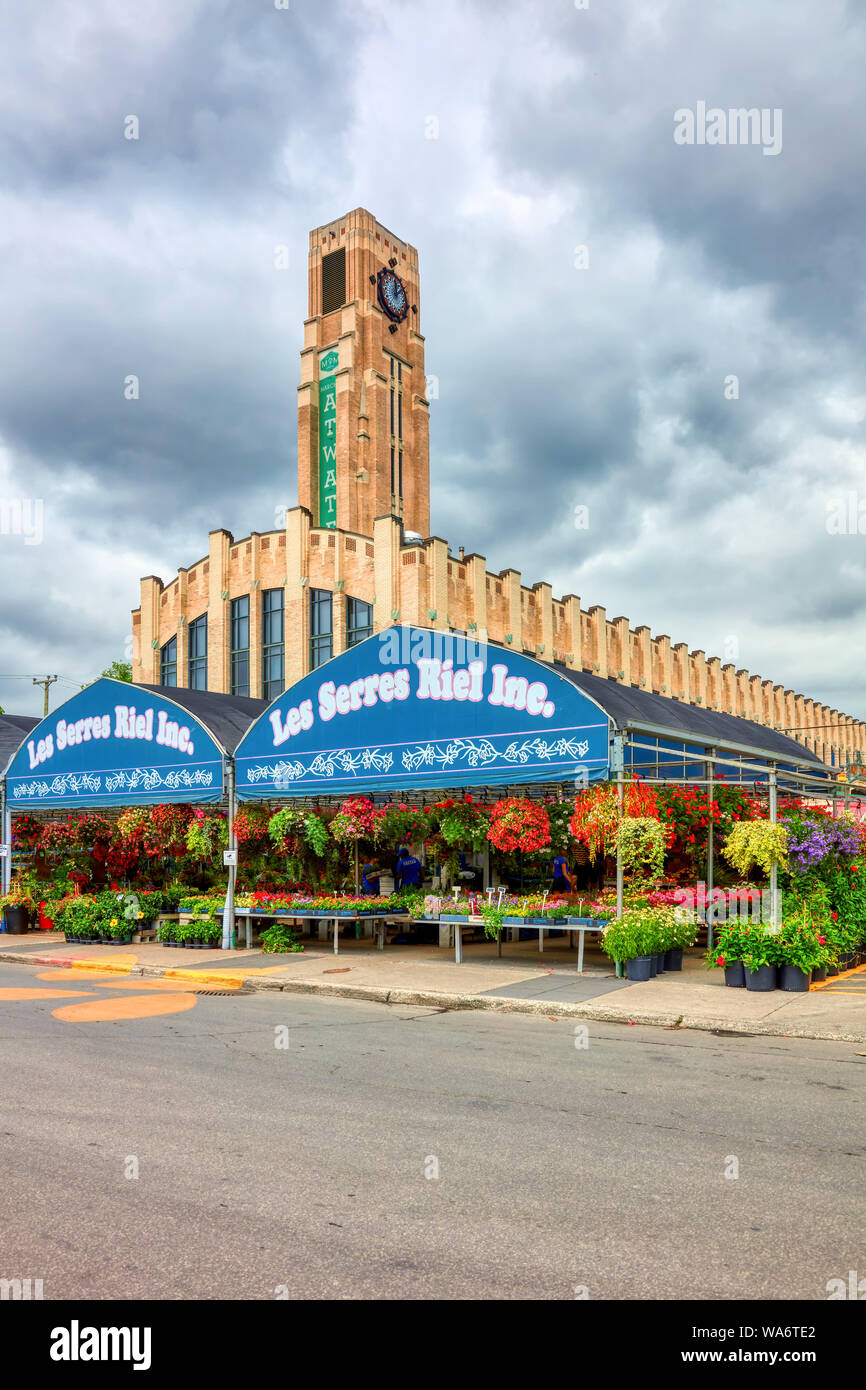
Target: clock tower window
<point x="396" y="418"/>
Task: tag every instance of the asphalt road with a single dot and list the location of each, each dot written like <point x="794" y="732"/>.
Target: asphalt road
<point x="301" y="1171"/>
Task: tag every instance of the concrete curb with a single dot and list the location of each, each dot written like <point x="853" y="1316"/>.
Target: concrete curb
<point x="437" y="999"/>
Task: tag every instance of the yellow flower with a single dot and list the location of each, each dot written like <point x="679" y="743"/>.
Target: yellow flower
<point x="113" y="922"/>
<point x="140" y="915"/>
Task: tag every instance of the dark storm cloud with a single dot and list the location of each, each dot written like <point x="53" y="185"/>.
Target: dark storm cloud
<point x="557" y="386"/>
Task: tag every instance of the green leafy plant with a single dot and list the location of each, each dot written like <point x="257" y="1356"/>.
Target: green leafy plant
<point x="756" y="843"/>
<point x="641" y="931"/>
<point x="207" y="836"/>
<point x="187" y="932"/>
<point x="640" y="841"/>
<point x="316" y="834"/>
<point x="404" y="824"/>
<point x="729" y="944"/>
<point x="460" y="823"/>
<point x="279" y="938"/>
<point x="801" y="944"/>
<point x="760" y="946"/>
<point x="211" y="931"/>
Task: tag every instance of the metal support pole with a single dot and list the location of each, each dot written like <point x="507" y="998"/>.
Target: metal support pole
<point x="357" y="881"/>
<point x="710" y="849"/>
<point x="774" y="876"/>
<point x="619" y="762"/>
<point x="6" y="838"/>
<point x="228" y="943"/>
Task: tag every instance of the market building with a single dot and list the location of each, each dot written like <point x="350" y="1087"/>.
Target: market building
<point x="254" y="615"/>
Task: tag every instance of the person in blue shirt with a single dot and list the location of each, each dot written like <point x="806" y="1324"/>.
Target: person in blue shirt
<point x="407" y="871"/>
<point x="370" y="878"/>
<point x="561" y="875"/>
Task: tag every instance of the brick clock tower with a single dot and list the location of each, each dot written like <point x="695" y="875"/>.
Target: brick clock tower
<point x="255" y="613"/>
<point x="363" y="415"/>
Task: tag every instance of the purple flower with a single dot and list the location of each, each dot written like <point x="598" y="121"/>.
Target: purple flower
<point x="811" y="845"/>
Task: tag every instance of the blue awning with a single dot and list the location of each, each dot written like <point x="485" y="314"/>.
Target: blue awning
<point x="412" y="708"/>
<point x="115" y="744"/>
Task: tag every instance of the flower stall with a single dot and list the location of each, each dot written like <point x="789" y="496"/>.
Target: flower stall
<point x="111" y="788"/>
<point x="480" y="761"/>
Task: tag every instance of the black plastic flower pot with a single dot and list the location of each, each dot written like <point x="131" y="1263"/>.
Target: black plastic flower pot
<point x="794" y="980"/>
<point x="639" y="968"/>
<point x="833" y="969"/>
<point x="674" y="959"/>
<point x="17" y="920"/>
<point x="819" y="974"/>
<point x="735" y="975"/>
<point x="761" y="980"/>
<point x="654" y="966"/>
<point x="850" y="960"/>
<point x="660" y="963"/>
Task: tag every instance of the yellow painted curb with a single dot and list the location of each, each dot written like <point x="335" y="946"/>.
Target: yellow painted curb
<point x="94" y="966"/>
<point x="202" y="977"/>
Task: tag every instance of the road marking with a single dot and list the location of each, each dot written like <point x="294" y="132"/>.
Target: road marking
<point x="117" y="1010"/>
<point x="21" y="992"/>
<point x="74" y="974"/>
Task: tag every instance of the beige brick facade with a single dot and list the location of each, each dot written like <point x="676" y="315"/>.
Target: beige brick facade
<point x="366" y="556"/>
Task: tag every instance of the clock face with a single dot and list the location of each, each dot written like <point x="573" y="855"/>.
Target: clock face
<point x="392" y="295"/>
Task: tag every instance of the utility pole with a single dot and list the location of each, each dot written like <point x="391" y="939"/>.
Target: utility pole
<point x="46" y="681"/>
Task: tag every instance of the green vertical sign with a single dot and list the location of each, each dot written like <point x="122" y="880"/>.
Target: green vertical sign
<point x="328" y="365"/>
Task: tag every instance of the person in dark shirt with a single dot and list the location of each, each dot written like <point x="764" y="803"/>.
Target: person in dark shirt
<point x="370" y="878"/>
<point x="561" y="875"/>
<point x="407" y="871"/>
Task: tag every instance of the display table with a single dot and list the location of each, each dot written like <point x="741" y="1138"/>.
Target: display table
<point x="573" y="928"/>
<point x="378" y="921"/>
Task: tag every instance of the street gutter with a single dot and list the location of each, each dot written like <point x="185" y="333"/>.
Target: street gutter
<point x="436" y="999"/>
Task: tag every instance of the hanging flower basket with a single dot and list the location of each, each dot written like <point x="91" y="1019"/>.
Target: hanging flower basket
<point x="517" y="823"/>
<point x="357" y="819"/>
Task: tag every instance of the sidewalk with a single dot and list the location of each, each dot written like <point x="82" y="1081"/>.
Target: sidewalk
<point x="521" y="982"/>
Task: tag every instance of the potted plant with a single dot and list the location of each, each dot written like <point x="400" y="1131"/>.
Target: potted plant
<point x="801" y="950"/>
<point x="758" y="843"/>
<point x="121" y="930"/>
<point x="760" y="958"/>
<point x="518" y="823"/>
<point x="212" y="934"/>
<point x="17" y="907"/>
<point x="279" y="938"/>
<point x="630" y="940"/>
<point x="727" y="952"/>
<point x="166" y="933"/>
<point x="684" y="933"/>
<point x="493" y="918"/>
<point x="186" y="933"/>
<point x="641" y="842"/>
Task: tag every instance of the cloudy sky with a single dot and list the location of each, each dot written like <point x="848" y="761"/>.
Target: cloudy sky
<point x="596" y="377"/>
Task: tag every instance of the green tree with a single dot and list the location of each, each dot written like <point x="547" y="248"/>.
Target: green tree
<point x="119" y="671"/>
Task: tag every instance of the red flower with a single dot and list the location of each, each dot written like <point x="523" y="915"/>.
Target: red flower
<point x="720" y="961"/>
